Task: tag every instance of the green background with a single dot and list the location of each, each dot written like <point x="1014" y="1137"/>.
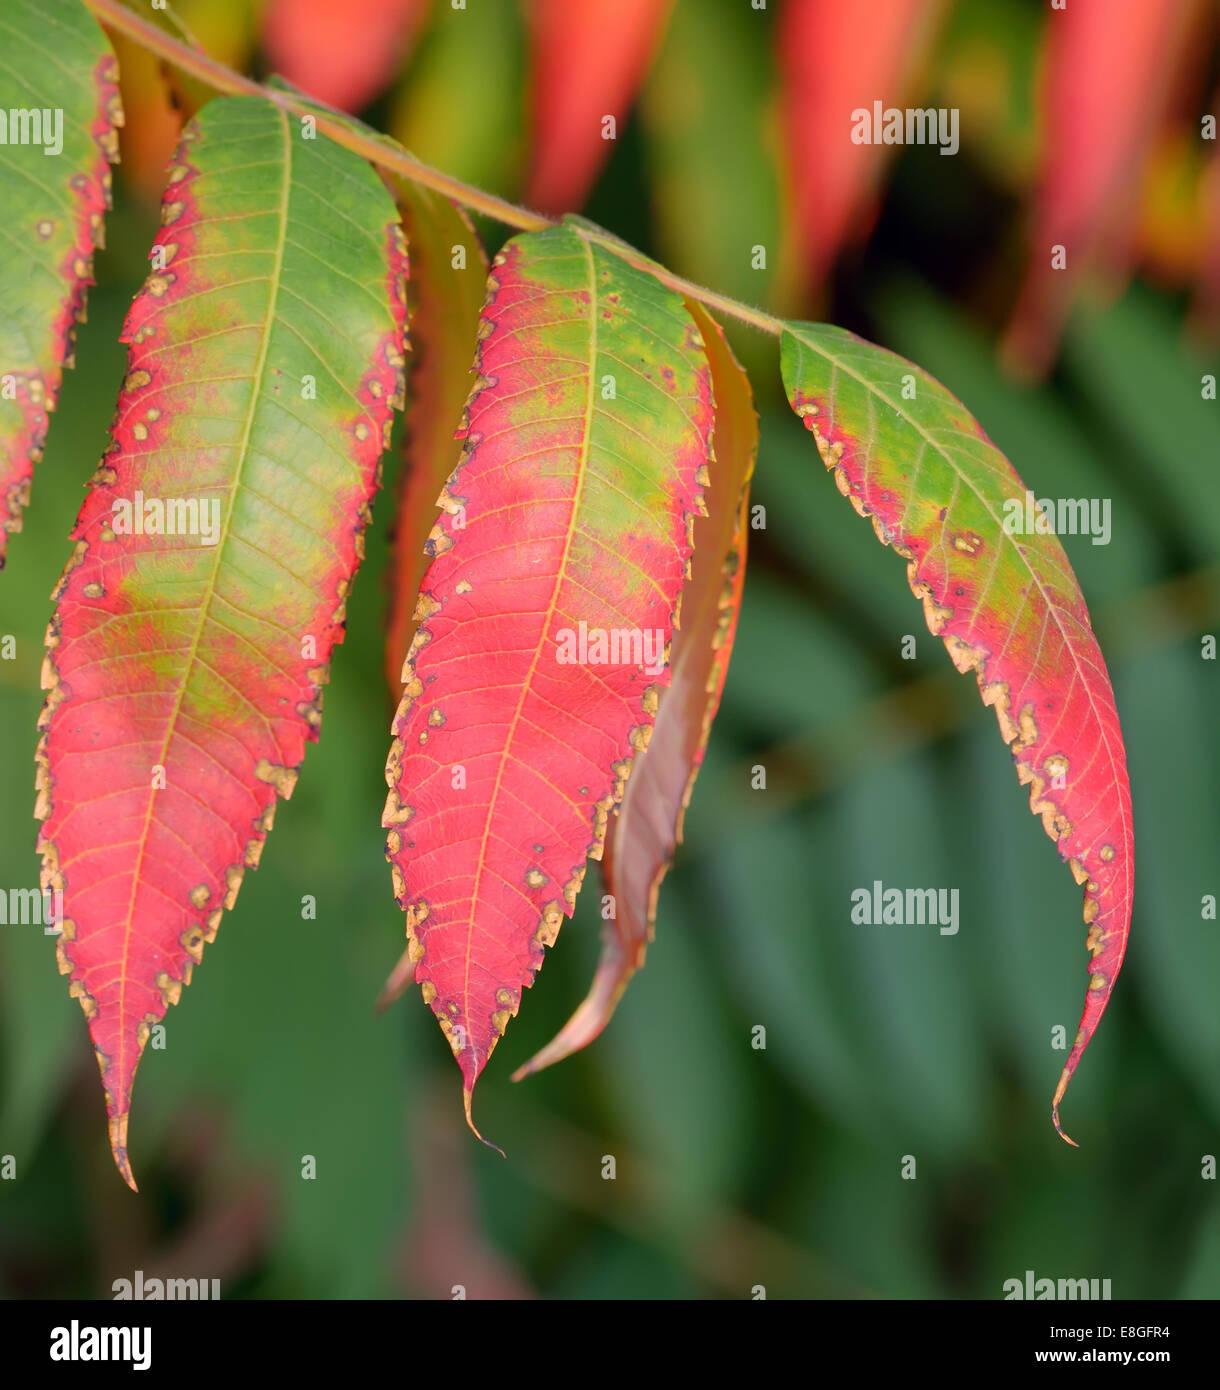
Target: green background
<point x="734" y="1167"/>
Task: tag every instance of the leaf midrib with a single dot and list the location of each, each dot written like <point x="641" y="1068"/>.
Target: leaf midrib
<point x="527" y="683"/>
<point x="244" y="449"/>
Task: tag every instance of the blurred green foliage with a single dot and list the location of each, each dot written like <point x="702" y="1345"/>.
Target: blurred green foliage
<point x="734" y="1166"/>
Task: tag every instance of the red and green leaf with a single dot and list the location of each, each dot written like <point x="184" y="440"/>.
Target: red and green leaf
<point x="647" y="828"/>
<point x="588" y="62"/>
<point x="1005" y="602"/>
<point x="56" y="60"/>
<point x="445" y="296"/>
<point x="586" y="451"/>
<point x="184" y="678"/>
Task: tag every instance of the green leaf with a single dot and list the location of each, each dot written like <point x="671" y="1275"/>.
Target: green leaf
<point x="61" y="112"/>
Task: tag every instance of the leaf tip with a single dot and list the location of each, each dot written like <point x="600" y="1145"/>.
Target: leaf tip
<point x="118" y="1148"/>
<point x="1059" y="1090"/>
<point x="467" y="1097"/>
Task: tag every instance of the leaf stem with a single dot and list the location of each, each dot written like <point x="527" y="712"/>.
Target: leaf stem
<point x="394" y="158"/>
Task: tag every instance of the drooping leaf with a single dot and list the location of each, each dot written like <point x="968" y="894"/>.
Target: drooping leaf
<point x="445" y="295"/>
<point x="835" y="60"/>
<point x="62" y="110"/>
<point x="1107" y="73"/>
<point x="567" y="522"/>
<point x="343" y="54"/>
<point x="214" y="553"/>
<point x="998" y="589"/>
<point x="587" y="62"/>
<point x="647" y="828"/>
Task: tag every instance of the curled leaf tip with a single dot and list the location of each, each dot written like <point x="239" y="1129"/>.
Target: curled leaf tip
<point x="467" y="1097"/>
<point x="118" y="1150"/>
<point x="1059" y="1090"/>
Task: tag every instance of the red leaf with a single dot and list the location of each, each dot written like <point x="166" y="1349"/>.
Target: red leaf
<point x="648" y="826"/>
<point x="835" y="59"/>
<point x="586" y="446"/>
<point x="184" y="675"/>
<point x="1107" y="74"/>
<point x="589" y="58"/>
<point x="342" y="52"/>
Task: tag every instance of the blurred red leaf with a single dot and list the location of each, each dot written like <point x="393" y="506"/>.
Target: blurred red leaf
<point x="1107" y="75"/>
<point x="835" y="59"/>
<point x="343" y="52"/>
<point x="588" y="60"/>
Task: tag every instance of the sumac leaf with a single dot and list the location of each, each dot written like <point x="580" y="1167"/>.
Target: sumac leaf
<point x="834" y="60"/>
<point x="588" y="60"/>
<point x="445" y="295"/>
<point x="62" y="110"/>
<point x="1001" y="595"/>
<point x="1107" y="72"/>
<point x="568" y="520"/>
<point x="184" y="668"/>
<point x="647" y="827"/>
